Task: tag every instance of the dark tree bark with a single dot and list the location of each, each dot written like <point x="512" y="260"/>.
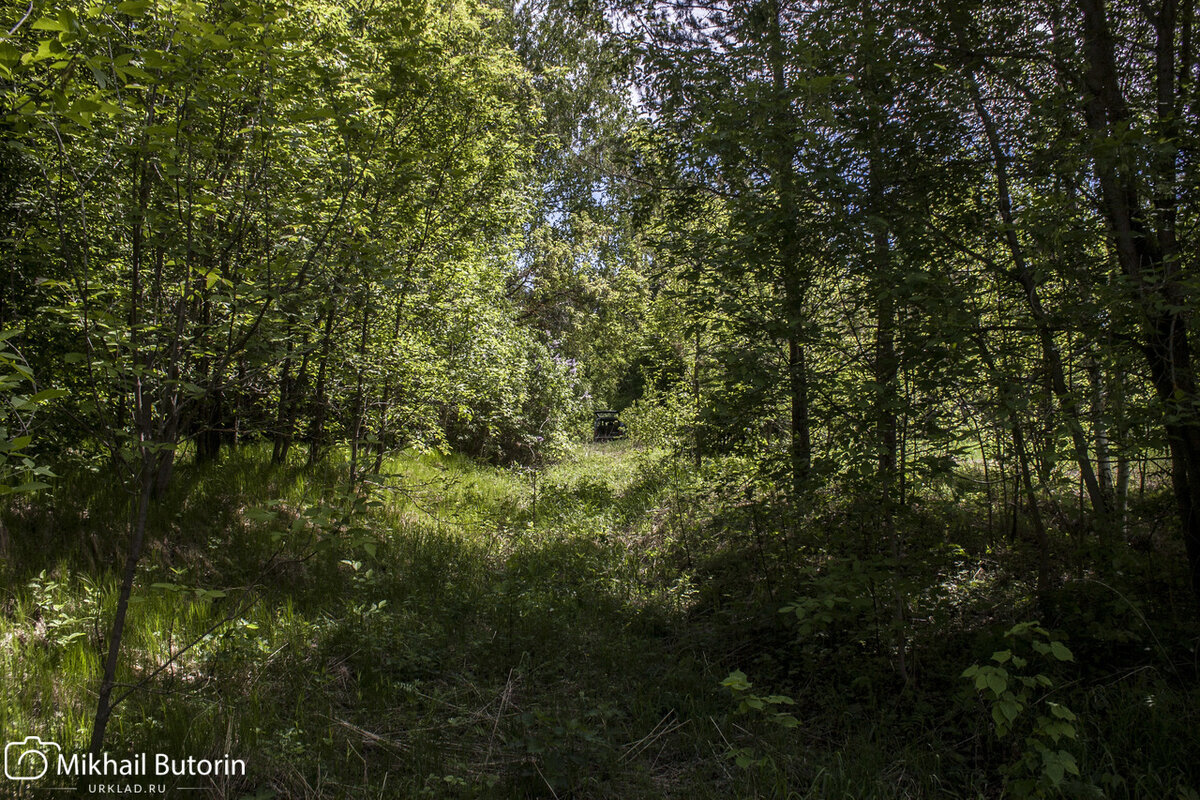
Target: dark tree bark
<point x="1145" y="242"/>
<point x="788" y="251"/>
<point x="316" y="433"/>
<point x="139" y="514"/>
<point x="1022" y="273"/>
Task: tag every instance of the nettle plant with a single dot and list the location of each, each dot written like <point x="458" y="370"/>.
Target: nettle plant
<point x="1019" y="697"/>
<point x="770" y="707"/>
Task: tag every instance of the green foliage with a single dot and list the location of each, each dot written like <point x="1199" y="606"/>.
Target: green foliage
<point x="66" y="612"/>
<point x="860" y="278"/>
<point x="766" y="705"/>
<point x="579" y="650"/>
<point x="1019" y="698"/>
<point x="841" y="595"/>
<point x="310" y="228"/>
<point x="659" y="419"/>
<point x="18" y="471"/>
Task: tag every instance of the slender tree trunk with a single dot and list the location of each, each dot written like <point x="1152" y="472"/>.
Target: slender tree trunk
<point x="283" y="434"/>
<point x="696" y="403"/>
<point x="1002" y="466"/>
<point x="140" y="512"/>
<point x="1050" y="354"/>
<point x="1104" y="471"/>
<point x="987" y="484"/>
<point x="1122" y="489"/>
<point x="290" y="409"/>
<point x="154" y="426"/>
<point x="886" y="371"/>
<point x="781" y="155"/>
<point x="1124" y="464"/>
<point x="801" y="446"/>
<point x="1041" y="538"/>
<point x="385" y="392"/>
<point x="360" y="397"/>
<point x="316" y="441"/>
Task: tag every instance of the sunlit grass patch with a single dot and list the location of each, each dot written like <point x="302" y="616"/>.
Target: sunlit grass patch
<point x="463" y="630"/>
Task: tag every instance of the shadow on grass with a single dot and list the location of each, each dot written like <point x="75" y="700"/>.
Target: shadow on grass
<point x="439" y="637"/>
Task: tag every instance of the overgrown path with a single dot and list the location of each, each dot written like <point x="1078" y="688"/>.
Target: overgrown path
<point x="457" y="629"/>
<point x="596" y="628"/>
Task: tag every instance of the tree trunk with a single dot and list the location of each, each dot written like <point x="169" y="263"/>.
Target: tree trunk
<point x="1104" y="471"/>
<point x="360" y="396"/>
<point x="1041" y="538"/>
<point x="696" y="457"/>
<point x="283" y="432"/>
<point x="140" y="511"/>
<point x="1146" y="245"/>
<point x="1050" y="354"/>
<point x="316" y="432"/>
<point x="801" y="448"/>
<point x="886" y="371"/>
<point x="782" y="171"/>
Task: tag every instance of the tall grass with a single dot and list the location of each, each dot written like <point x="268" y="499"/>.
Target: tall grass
<point x="456" y="630"/>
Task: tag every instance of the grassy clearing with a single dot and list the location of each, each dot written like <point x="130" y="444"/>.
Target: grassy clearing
<point x="468" y="631"/>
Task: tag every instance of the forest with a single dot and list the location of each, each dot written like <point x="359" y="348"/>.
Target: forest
<point x="307" y="310"/>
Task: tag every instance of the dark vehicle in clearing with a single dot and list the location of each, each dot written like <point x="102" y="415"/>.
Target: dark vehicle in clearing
<point x="606" y="427"/>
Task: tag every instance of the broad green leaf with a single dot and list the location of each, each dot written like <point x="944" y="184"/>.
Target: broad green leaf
<point x="50" y="24"/>
<point x="133" y="8"/>
<point x="48" y="394"/>
<point x="1061" y="652"/>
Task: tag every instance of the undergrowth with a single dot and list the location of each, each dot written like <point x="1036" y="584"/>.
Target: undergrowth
<point x="604" y="627"/>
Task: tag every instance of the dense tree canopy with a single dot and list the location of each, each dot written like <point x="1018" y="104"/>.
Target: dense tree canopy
<point x="885" y="292"/>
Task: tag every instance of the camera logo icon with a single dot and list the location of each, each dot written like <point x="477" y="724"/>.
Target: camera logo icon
<point x="27" y="760"/>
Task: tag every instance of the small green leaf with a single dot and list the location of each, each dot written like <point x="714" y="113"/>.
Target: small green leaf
<point x="1061" y="711"/>
<point x="736" y="681"/>
<point x="1054" y="770"/>
<point x="1061" y="651"/>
